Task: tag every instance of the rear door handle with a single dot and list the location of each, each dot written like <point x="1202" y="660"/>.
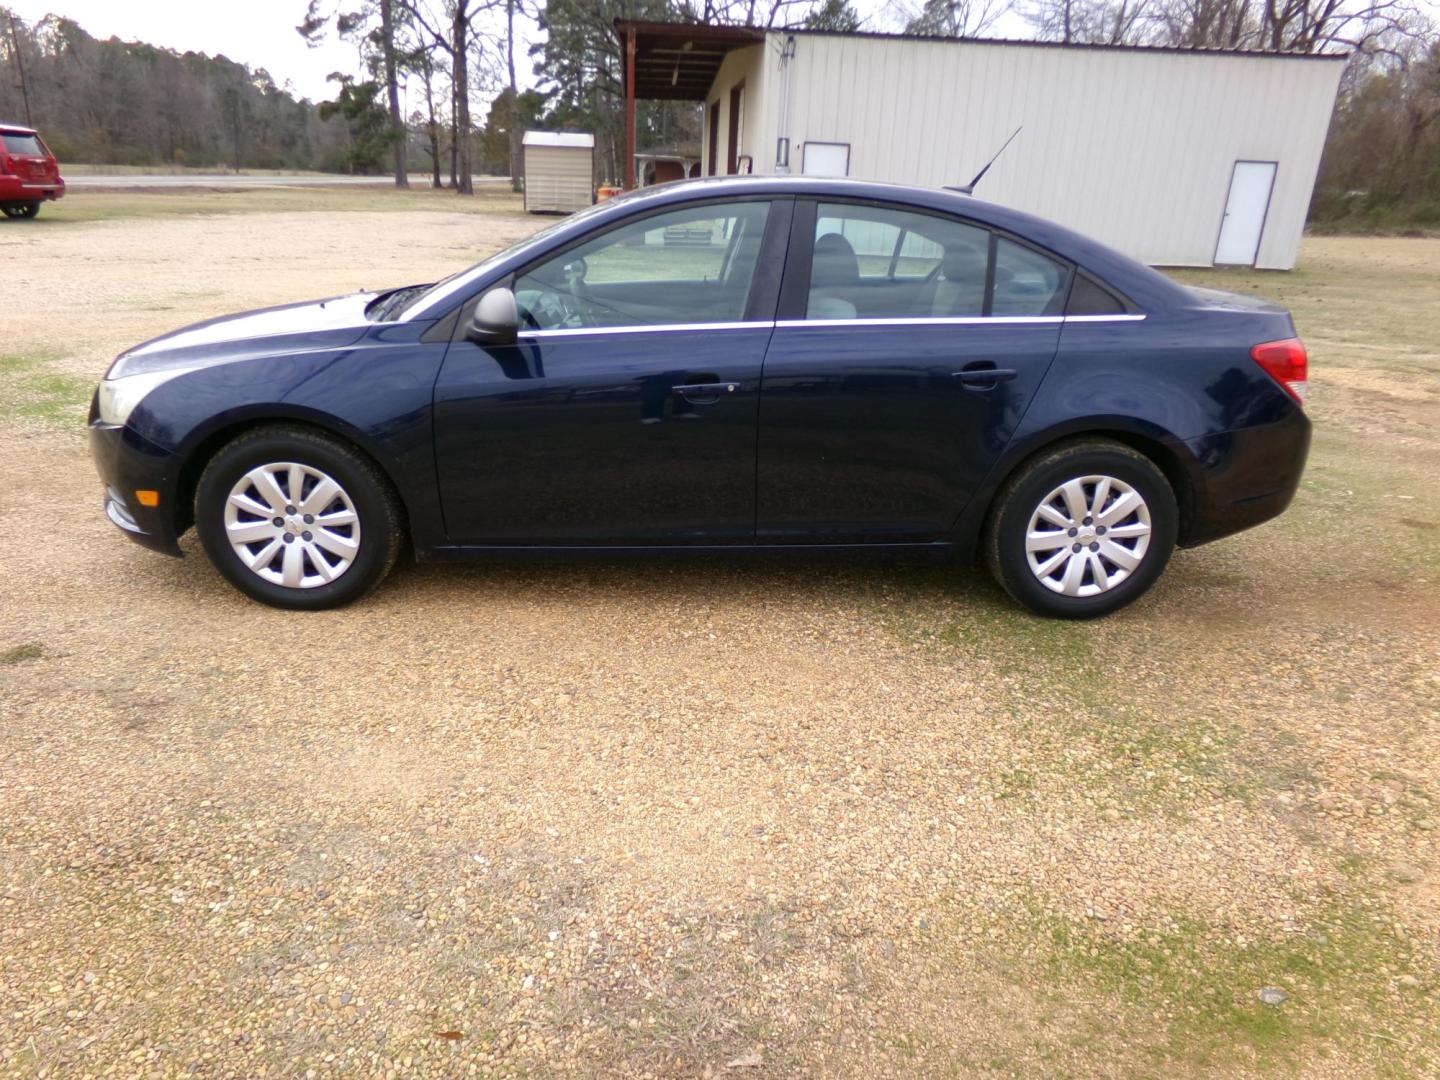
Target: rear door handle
<point x="984" y="377"/>
<point x="705" y="393"/>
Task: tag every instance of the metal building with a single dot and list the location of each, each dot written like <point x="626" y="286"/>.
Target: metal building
<point x="559" y="171"/>
<point x="1178" y="157"/>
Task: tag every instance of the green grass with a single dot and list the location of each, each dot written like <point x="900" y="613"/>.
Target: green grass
<point x="85" y="204"/>
<point x="20" y="653"/>
<point x="1194" y="988"/>
<point x="30" y="390"/>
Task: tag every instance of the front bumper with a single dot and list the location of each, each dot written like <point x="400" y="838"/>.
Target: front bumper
<point x="127" y="463"/>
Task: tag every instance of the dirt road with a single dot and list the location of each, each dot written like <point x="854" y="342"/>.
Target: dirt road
<point x="762" y="820"/>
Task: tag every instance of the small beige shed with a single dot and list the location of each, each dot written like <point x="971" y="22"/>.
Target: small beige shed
<point x="559" y="171"/>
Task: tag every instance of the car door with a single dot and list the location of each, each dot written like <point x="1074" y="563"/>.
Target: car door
<point x="625" y="413"/>
<point x="908" y="346"/>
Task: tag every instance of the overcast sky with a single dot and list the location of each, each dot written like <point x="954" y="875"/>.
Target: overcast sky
<point x="261" y="33"/>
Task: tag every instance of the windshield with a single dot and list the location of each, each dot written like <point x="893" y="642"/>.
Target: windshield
<point x="457" y="282"/>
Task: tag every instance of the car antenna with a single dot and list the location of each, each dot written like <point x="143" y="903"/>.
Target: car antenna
<point x="969" y="189"/>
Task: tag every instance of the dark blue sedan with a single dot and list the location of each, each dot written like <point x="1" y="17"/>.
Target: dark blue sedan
<point x="761" y="363"/>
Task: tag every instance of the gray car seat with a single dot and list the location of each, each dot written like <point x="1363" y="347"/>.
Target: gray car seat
<point x="959" y="288"/>
<point x="834" y="270"/>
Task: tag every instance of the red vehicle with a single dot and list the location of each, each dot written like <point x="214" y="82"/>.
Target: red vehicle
<point x="29" y="173"/>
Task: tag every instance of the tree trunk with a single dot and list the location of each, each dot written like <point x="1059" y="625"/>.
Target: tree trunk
<point x="392" y="88"/>
<point x="432" y="128"/>
<point x="514" y="95"/>
<point x="459" y="44"/>
<point x="454" y="131"/>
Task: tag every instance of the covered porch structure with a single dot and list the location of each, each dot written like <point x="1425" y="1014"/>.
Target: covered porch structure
<point x="675" y="62"/>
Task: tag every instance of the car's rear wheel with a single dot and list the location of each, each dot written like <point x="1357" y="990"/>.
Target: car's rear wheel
<point x="297" y="519"/>
<point x="1082" y="530"/>
<point x="22" y="210"/>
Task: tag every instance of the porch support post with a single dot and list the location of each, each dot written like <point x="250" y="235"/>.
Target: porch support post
<point x="630" y="110"/>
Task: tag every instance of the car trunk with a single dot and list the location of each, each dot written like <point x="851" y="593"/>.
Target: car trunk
<point x="30" y="160"/>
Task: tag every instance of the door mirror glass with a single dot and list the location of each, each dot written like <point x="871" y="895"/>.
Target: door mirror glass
<point x="496" y="320"/>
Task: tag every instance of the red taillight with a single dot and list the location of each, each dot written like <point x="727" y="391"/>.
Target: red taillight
<point x="1286" y="363"/>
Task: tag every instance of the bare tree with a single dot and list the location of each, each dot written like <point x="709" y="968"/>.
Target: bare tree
<point x="1108" y="22"/>
<point x="453" y="33"/>
<point x="378" y="49"/>
<point x="1303" y="26"/>
<point x="954" y="18"/>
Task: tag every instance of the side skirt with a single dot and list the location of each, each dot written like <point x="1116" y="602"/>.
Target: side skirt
<point x="939" y="550"/>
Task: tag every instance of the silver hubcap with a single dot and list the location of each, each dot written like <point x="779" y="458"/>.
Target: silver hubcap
<point x="292" y="525"/>
<point x="1088" y="535"/>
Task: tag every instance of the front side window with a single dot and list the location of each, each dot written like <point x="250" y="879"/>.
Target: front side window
<point x="873" y="262"/>
<point x="694" y="265"/>
<point x="1026" y="282"/>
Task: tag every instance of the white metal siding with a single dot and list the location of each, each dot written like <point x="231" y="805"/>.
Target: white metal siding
<point x="558" y="178"/>
<point x="741" y="64"/>
<point x="1132" y="147"/>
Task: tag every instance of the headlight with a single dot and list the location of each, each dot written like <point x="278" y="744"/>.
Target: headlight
<point x="118" y="397"/>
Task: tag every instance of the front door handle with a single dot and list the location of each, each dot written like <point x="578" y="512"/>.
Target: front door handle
<point x="983" y="374"/>
<point x="705" y="393"/>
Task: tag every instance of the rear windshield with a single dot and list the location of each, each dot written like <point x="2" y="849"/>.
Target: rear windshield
<point x="22" y="145"/>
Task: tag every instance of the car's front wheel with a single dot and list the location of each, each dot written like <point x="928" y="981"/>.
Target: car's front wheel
<point x="1082" y="530"/>
<point x="297" y="519"/>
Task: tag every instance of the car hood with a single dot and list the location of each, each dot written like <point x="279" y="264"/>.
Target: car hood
<point x="332" y="323"/>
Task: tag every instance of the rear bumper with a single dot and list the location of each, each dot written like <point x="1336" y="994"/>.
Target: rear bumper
<point x="13" y="189"/>
<point x="1249" y="476"/>
<point x="128" y="463"/>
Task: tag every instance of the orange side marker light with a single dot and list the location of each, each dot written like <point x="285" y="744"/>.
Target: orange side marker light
<point x="147" y="498"/>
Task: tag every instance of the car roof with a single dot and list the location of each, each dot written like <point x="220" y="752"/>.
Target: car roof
<point x="17" y="129"/>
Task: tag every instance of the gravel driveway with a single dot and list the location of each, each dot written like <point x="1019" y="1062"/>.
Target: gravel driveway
<point x="754" y="819"/>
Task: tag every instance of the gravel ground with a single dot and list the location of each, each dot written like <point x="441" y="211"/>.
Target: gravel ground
<point x="761" y="820"/>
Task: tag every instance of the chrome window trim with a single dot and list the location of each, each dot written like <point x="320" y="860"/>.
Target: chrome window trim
<point x="933" y="320"/>
<point x="646" y="328"/>
<point x="978" y="320"/>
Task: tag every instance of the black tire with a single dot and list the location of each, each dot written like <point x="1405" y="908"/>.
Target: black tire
<point x="22" y="210"/>
<point x="378" y="509"/>
<point x="1021" y="498"/>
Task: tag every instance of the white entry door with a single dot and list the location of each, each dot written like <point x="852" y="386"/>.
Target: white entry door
<point x="1245" y="209"/>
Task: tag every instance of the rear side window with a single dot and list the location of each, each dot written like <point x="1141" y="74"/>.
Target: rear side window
<point x="23" y="145"/>
<point x="873" y="262"/>
<point x="1089" y="297"/>
<point x="1026" y="282"/>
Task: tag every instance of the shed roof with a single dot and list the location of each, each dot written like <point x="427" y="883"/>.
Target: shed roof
<point x="578" y="139"/>
<point x="679" y="61"/>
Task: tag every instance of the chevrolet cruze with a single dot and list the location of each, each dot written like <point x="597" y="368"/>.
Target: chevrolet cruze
<point x="756" y="363"/>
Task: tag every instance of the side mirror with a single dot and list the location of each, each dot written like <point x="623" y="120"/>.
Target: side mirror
<point x="496" y="320"/>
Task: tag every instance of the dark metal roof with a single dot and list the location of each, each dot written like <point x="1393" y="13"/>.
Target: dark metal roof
<point x="665" y="69"/>
<point x="1199" y="50"/>
<point x="679" y="61"/>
